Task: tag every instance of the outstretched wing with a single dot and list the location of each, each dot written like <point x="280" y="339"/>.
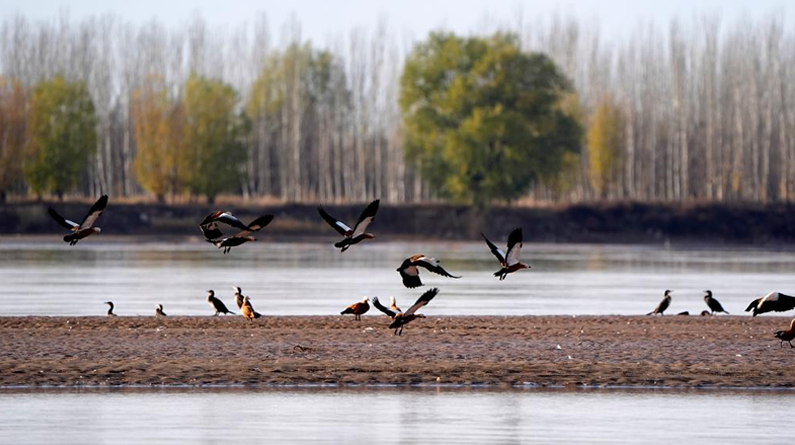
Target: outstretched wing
<point x="209" y="224"/>
<point x="382" y="308"/>
<point x="495" y="250"/>
<point x="514" y="247"/>
<point x="94" y="213"/>
<point x="366" y="218"/>
<point x="432" y="264"/>
<point x="752" y="305"/>
<point x="338" y="225"/>
<point x="71" y="225"/>
<point x="409" y="274"/>
<point x="785" y="303"/>
<point x="256" y="225"/>
<point x="422" y="301"/>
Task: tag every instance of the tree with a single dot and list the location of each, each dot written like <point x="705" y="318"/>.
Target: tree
<point x="214" y="152"/>
<point x="61" y="137"/>
<point x="605" y="146"/>
<point x="13" y="119"/>
<point x="482" y="118"/>
<point x="158" y="125"/>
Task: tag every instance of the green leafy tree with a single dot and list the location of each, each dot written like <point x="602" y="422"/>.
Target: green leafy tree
<point x="13" y="120"/>
<point x="604" y="146"/>
<point x="62" y="136"/>
<point x="214" y="134"/>
<point x="482" y="118"/>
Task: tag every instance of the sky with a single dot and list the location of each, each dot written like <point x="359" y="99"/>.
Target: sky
<point x="322" y="19"/>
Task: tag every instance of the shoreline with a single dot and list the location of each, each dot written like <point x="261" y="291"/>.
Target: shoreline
<point x="489" y="352"/>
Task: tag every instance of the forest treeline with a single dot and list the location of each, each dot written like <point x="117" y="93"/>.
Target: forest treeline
<point x="533" y="110"/>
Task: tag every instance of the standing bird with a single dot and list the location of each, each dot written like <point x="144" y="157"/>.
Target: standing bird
<point x="238" y="297"/>
<point x="159" y="311"/>
<point x="411" y="275"/>
<point x="714" y="305"/>
<point x="212" y="234"/>
<point x="510" y="261"/>
<point x="110" y="309"/>
<point x="85" y="228"/>
<point x="248" y="310"/>
<point x="400" y="319"/>
<point x="215" y="303"/>
<point x="358" y="233"/>
<point x="666" y="301"/>
<point x="774" y="301"/>
<point x="357" y="309"/>
<point x="787" y="336"/>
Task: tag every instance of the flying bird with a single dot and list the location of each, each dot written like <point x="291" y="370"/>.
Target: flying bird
<point x="357" y="309"/>
<point x="666" y="301"/>
<point x="774" y="301"/>
<point x="214" y="235"/>
<point x="238" y="297"/>
<point x="510" y="261"/>
<point x="248" y="310"/>
<point x="400" y="319"/>
<point x="359" y="232"/>
<point x="110" y="309"/>
<point x="411" y="275"/>
<point x="159" y="311"/>
<point x="391" y="312"/>
<point x="393" y="304"/>
<point x="85" y="228"/>
<point x="787" y="336"/>
<point x="215" y="303"/>
<point x="714" y="305"/>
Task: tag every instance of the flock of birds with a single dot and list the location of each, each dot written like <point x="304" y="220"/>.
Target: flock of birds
<point x="409" y="270"/>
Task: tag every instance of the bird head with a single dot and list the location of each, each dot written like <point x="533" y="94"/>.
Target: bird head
<point x="365" y="299"/>
<point x="237" y="290"/>
<point x="211" y="292"/>
<point x="524" y="266"/>
<point x="369" y="236"/>
<point x="97" y="229"/>
<point x="109" y="303"/>
<point x="668" y="293"/>
<point x="160" y="306"/>
<point x="707" y="293"/>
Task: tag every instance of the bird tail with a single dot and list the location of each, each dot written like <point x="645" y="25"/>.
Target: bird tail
<point x="346" y="311"/>
<point x="650" y="313"/>
<point x="257" y="314"/>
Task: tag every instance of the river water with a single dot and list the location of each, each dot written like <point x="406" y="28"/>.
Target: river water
<point x="51" y="278"/>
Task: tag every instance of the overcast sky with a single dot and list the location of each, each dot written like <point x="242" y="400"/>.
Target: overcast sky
<point x="323" y="18"/>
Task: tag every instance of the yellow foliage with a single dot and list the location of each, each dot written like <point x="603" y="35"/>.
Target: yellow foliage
<point x="605" y="144"/>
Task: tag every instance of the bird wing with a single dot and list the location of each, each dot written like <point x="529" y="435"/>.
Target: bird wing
<point x="410" y="276"/>
<point x="367" y="216"/>
<point x="752" y="305"/>
<point x="256" y="225"/>
<point x="432" y="264"/>
<point x="209" y="224"/>
<point x="71" y="225"/>
<point x="382" y="308"/>
<point x="338" y="225"/>
<point x="94" y="212"/>
<point x="230" y="219"/>
<point x="495" y="250"/>
<point x="514" y="247"/>
<point x="785" y="303"/>
<point x="422" y="301"/>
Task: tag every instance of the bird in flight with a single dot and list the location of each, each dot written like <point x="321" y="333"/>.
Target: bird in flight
<point x="400" y="319"/>
<point x="774" y="301"/>
<point x="359" y="232"/>
<point x="85" y="228"/>
<point x="214" y="235"/>
<point x="411" y="275"/>
<point x="510" y="261"/>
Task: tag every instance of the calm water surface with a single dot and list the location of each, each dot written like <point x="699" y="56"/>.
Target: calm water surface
<point x="38" y="278"/>
<point x="385" y="416"/>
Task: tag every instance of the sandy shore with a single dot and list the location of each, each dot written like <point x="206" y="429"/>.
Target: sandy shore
<point x="724" y="351"/>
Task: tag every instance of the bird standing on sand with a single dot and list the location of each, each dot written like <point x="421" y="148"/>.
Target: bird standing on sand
<point x="357" y="309"/>
<point x="212" y="234"/>
<point x="215" y="303"/>
<point x="510" y="261"/>
<point x="714" y="305"/>
<point x="400" y="319"/>
<point x="774" y="301"/>
<point x="411" y="275"/>
<point x="787" y="336"/>
<point x="110" y="309"/>
<point x="666" y="301"/>
<point x="85" y="228"/>
<point x="238" y="297"/>
<point x="159" y="311"/>
<point x="248" y="310"/>
<point x="358" y="233"/>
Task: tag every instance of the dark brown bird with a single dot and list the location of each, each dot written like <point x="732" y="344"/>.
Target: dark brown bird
<point x="110" y="309"/>
<point x="159" y="311"/>
<point x="215" y="303"/>
<point x="212" y="234"/>
<point x="510" y="261"/>
<point x="712" y="303"/>
<point x="248" y="310"/>
<point x="774" y="301"/>
<point x="357" y="309"/>
<point x="85" y="228"/>
<point x="787" y="336"/>
<point x="238" y="297"/>
<point x="411" y="275"/>
<point x="400" y="319"/>
<point x="359" y="231"/>
<point x="666" y="301"/>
